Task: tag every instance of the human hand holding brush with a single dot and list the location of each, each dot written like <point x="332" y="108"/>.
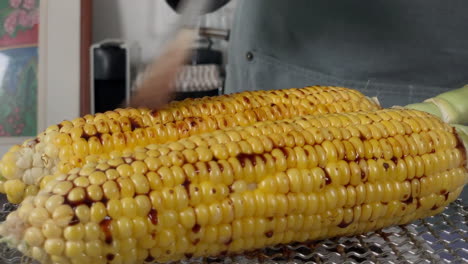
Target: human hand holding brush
<point x="157" y="86"/>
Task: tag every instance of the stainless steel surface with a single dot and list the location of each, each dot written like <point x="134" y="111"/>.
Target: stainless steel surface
<point x="439" y="239"/>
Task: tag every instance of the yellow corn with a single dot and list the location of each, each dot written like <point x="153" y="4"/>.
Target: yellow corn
<point x="73" y="143"/>
<point x="245" y="188"/>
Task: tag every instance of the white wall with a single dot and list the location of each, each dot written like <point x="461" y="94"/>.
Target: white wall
<point x="59" y="65"/>
<point x="61" y="61"/>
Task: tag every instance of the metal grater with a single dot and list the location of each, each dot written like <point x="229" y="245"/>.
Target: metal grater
<point x="439" y="239"/>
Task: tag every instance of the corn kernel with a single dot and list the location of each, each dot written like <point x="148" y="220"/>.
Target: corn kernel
<point x="98" y="212"/>
<point x="141" y="183"/>
<point x="93" y="248"/>
<point x="38" y="216"/>
<point x="74" y="232"/>
<point x="95" y="192"/>
<point x="92" y="231"/>
<point x="33" y="236"/>
<point x="143" y="205"/>
<point x="74" y="248"/>
<point x="127" y="188"/>
<point x="97" y="177"/>
<point x="63" y="188"/>
<point x="111" y="190"/>
<point x="54" y="246"/>
<point x="76" y="195"/>
<point x="128" y="207"/>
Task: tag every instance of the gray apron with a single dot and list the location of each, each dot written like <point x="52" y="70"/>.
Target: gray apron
<point x="401" y="51"/>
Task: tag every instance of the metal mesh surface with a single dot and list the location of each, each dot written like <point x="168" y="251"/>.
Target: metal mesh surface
<point x="438" y="239"/>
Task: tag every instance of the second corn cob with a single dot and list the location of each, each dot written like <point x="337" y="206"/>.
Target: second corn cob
<point x="245" y="188"/>
<point x="71" y="144"/>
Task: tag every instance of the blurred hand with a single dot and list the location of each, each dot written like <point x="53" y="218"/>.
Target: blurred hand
<point x="157" y="88"/>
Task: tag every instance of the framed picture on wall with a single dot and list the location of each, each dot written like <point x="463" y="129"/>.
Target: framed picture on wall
<point x="19" y="63"/>
<point x="44" y="65"/>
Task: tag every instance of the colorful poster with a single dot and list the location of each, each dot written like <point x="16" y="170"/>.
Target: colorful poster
<point x="19" y="20"/>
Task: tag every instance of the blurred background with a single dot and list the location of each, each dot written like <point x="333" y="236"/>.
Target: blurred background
<point x="142" y="26"/>
<point x="60" y="59"/>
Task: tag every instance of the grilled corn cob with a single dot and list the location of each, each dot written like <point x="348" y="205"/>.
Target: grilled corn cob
<point x="244" y="188"/>
<point x="70" y="144"/>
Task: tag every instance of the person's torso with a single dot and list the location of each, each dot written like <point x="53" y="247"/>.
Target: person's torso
<point x="414" y="43"/>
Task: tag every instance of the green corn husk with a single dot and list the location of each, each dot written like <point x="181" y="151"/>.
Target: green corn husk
<point x="451" y="106"/>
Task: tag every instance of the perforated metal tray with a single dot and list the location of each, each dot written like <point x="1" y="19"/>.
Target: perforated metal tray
<point x="439" y="239"/>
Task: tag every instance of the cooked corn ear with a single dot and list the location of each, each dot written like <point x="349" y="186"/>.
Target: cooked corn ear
<point x="244" y="188"/>
<point x="73" y="143"/>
